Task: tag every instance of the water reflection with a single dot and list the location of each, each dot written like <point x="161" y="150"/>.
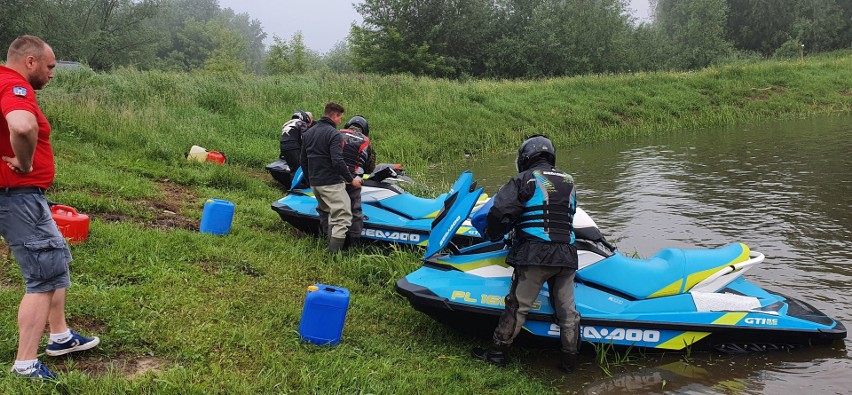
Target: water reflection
<point x="783" y="188"/>
<point x="678" y="376"/>
<point x="752" y="374"/>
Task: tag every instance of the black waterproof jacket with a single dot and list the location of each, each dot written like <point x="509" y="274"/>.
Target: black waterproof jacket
<point x="322" y="155"/>
<point x="358" y="152"/>
<point x="510" y="203"/>
<point x="291" y="135"/>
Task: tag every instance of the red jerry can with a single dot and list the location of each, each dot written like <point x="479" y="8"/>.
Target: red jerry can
<point x="73" y="225"/>
<point x="216" y="157"/>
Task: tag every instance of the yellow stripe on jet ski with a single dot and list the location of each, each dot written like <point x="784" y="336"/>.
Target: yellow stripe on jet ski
<point x="480" y="201"/>
<point x="498" y="261"/>
<point x="729" y="319"/>
<point x="668" y="290"/>
<point x="683" y="340"/>
<point x="696" y="278"/>
<point x="679" y="287"/>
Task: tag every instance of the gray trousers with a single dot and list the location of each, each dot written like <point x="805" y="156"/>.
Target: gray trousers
<point x="334" y="209"/>
<point x="527" y="282"/>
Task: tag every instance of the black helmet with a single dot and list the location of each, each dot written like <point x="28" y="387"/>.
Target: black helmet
<point x="361" y="122"/>
<point x="303" y="116"/>
<point x="535" y="147"/>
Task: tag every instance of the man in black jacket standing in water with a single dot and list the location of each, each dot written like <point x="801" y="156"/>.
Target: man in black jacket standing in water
<point x="537" y="209"/>
<point x="327" y="173"/>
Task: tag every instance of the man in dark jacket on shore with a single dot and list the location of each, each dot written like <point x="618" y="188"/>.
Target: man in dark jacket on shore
<point x="328" y="175"/>
<point x="537" y="208"/>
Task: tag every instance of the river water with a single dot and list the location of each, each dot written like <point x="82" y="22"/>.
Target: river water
<point x="784" y="188"/>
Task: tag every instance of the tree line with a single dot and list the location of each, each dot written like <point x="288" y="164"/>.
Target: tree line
<point x="542" y="38"/>
<point x="437" y="38"/>
<point x="174" y="35"/>
<point x="147" y="34"/>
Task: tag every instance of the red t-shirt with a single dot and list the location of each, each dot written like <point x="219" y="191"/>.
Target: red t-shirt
<point x="17" y="94"/>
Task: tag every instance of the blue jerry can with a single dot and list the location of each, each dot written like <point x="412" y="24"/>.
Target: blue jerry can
<point x="217" y="216"/>
<point x="323" y="314"/>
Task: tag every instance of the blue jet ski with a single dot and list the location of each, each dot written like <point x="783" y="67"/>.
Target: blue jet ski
<point x="390" y="213"/>
<point x="676" y="300"/>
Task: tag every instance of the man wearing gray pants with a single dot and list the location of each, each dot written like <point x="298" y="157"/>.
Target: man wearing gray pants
<point x="537" y="207"/>
<point x="327" y="173"/>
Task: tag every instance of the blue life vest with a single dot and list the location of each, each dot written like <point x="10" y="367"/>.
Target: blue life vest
<point x="549" y="214"/>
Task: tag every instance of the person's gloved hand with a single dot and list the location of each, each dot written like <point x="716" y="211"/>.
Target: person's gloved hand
<point x="510" y="239"/>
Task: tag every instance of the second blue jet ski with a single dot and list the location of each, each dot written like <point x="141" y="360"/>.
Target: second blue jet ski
<point x="390" y="213"/>
<point x="678" y="299"/>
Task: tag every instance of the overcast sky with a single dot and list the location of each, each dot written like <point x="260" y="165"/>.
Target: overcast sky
<point x="323" y="23"/>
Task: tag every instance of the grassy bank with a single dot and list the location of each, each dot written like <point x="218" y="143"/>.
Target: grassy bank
<point x="184" y="312"/>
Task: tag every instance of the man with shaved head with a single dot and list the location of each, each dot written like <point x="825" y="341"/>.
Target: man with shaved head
<point x="26" y="171"/>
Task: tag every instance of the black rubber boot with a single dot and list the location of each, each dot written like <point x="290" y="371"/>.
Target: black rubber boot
<point x="495" y="355"/>
<point x="568" y="361"/>
<point x="335" y="245"/>
<point x="351" y="241"/>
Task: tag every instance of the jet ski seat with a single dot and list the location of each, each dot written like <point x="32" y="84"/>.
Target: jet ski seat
<point x="672" y="271"/>
<point x="414" y="207"/>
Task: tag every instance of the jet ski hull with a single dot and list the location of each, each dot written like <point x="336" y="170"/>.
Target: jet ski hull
<point x="372" y="231"/>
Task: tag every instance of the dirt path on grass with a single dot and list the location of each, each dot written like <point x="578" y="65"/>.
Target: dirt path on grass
<point x="166" y="213"/>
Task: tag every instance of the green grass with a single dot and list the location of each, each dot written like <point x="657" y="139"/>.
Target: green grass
<point x="190" y="313"/>
<point x="608" y="357"/>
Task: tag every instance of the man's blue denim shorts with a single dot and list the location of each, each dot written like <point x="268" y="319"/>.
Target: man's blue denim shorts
<point x="42" y="253"/>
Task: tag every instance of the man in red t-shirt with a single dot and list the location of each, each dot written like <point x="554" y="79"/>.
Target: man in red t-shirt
<point x="26" y="223"/>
